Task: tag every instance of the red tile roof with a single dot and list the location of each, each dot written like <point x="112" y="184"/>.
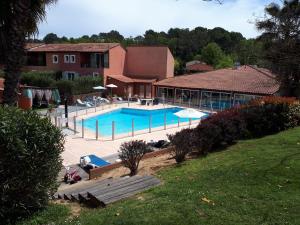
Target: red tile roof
<point x="199" y="67"/>
<point x="126" y="79"/>
<point x="243" y="80"/>
<point x="81" y="47"/>
<point x="121" y="78"/>
<point x="33" y="45"/>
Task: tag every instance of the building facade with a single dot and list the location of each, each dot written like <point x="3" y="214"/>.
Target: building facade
<point x="134" y="70"/>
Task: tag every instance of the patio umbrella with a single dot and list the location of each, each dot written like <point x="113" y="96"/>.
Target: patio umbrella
<point x="190" y="114"/>
<point x="99" y="88"/>
<point x="111" y="86"/>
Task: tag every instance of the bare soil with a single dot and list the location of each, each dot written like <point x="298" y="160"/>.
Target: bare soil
<point x="147" y="167"/>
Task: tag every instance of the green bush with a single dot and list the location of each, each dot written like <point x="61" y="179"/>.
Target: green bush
<point x="65" y="87"/>
<point x="30" y="149"/>
<point x="84" y="85"/>
<point x="38" y="79"/>
<point x="131" y="154"/>
<point x="81" y="85"/>
<point x="1" y="74"/>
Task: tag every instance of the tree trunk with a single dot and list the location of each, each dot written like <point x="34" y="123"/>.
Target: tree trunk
<point x="15" y="40"/>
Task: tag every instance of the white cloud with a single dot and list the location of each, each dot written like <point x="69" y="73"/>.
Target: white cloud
<point x="133" y="17"/>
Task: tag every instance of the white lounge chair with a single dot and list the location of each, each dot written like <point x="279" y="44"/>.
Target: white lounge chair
<point x="83" y="103"/>
<point x="104" y="100"/>
<point x="79" y="102"/>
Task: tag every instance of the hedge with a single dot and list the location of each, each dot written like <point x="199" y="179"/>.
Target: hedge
<point x="38" y="79"/>
<point x="265" y="116"/>
<point x="81" y="85"/>
<point x="30" y="149"/>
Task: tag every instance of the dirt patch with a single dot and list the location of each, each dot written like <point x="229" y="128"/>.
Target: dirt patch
<point x="147" y="166"/>
<point x="75" y="208"/>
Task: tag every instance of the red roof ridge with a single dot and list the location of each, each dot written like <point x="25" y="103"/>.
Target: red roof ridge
<point x="147" y="46"/>
<point x="74" y="47"/>
<point x="261" y="71"/>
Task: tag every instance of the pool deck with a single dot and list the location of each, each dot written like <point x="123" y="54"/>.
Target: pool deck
<point x="76" y="146"/>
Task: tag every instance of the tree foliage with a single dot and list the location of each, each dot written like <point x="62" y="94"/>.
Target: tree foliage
<point x="30" y="149"/>
<point x="185" y="44"/>
<point x="225" y="62"/>
<point x="18" y="20"/>
<point x="212" y="54"/>
<point x="281" y="32"/>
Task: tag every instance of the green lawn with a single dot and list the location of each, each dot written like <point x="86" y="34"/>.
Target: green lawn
<point x="253" y="182"/>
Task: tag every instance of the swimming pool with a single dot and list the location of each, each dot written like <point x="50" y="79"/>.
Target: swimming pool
<point x="123" y="120"/>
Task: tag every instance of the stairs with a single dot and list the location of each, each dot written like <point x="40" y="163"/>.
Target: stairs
<point x="101" y="193"/>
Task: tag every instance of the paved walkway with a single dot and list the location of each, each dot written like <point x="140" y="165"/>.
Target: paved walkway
<point x="75" y="146"/>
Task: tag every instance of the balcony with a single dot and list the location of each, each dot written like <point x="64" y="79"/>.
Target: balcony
<point x="36" y="59"/>
<point x="90" y="60"/>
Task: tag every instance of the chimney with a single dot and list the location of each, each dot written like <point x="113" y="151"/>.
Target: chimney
<point x="236" y="65"/>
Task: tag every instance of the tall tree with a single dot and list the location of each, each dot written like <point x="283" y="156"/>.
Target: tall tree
<point x="212" y="54"/>
<point x="51" y="38"/>
<point x="18" y="20"/>
<point x="281" y="38"/>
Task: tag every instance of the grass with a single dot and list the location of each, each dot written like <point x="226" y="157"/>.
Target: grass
<point x="252" y="182"/>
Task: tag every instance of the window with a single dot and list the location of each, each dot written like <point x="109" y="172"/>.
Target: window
<point x="95" y="74"/>
<point x="71" y="76"/>
<point x="66" y="58"/>
<point x="55" y="59"/>
<point x="72" y="59"/>
<point x="105" y="60"/>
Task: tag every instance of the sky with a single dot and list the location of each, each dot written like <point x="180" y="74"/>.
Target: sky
<point x="75" y="18"/>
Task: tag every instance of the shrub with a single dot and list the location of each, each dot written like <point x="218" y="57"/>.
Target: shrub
<point x="182" y="144"/>
<point x="30" y="149"/>
<point x="131" y="154"/>
<point x="270" y="115"/>
<point x="219" y="130"/>
<point x="65" y="87"/>
<point x="1" y="73"/>
<point x="84" y="85"/>
<point x="207" y="136"/>
<point x="38" y="79"/>
<point x="81" y="85"/>
<point x="260" y="117"/>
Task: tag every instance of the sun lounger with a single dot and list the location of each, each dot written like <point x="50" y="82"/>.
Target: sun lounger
<point x="87" y="104"/>
<point x="92" y="161"/>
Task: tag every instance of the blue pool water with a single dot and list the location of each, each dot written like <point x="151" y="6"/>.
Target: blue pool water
<point x="123" y="120"/>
